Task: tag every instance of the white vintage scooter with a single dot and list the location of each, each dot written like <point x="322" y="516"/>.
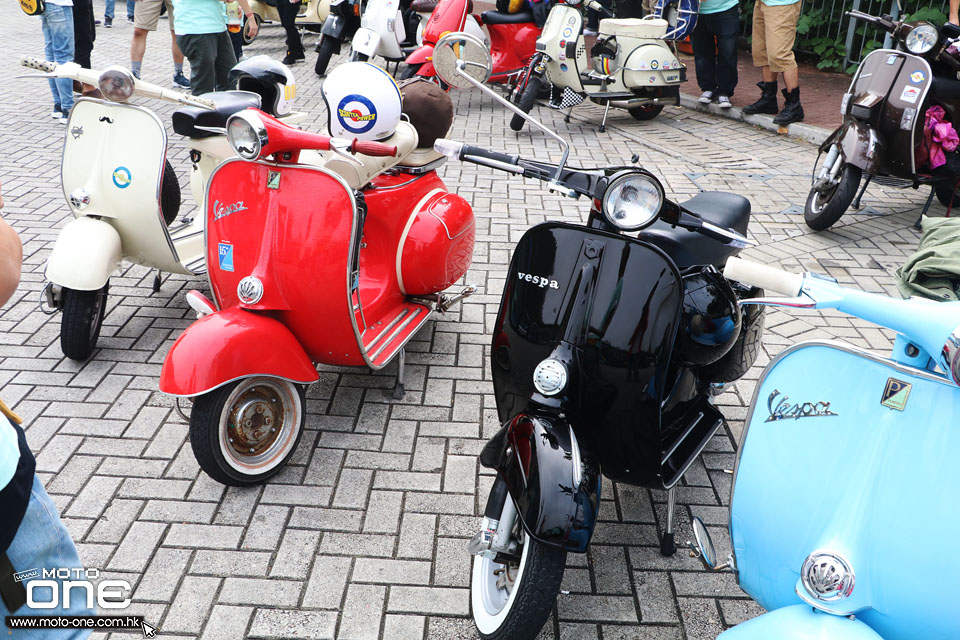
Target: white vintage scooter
<point x="385" y="31"/>
<point x="310" y="18"/>
<point x="124" y="194"/>
<point x="634" y="67"/>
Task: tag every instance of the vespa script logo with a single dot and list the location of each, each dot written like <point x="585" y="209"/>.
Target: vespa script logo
<point x="540" y="281"/>
<point x="784" y="410"/>
<point x="222" y="211"/>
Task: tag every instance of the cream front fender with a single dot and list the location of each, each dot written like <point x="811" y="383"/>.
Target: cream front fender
<point x="87" y="251"/>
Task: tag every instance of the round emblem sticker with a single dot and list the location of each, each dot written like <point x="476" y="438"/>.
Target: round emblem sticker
<point x="917" y="77"/>
<point x="122" y="177"/>
<point x="654" y="64"/>
<point x="567" y="32"/>
<point x="357" y="114"/>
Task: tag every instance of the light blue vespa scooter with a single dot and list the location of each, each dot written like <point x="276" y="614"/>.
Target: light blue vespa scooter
<point x="845" y="497"/>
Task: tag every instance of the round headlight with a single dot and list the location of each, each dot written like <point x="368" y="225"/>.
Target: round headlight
<point x="246" y="134"/>
<point x="116" y="83"/>
<point x="922" y="38"/>
<point x="632" y="201"/>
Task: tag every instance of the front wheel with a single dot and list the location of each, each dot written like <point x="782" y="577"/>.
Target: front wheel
<point x="512" y="601"/>
<point x="356" y="56"/>
<point x="325" y="51"/>
<point x="825" y="206"/>
<point x="647" y="111"/>
<point x="530" y="93"/>
<point x="83" y="313"/>
<point x="245" y="432"/>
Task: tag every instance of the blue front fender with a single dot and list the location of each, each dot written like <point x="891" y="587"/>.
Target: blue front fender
<point x="800" y="622"/>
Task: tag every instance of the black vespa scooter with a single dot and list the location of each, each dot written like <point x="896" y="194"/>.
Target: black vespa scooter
<point x="338" y="28"/>
<point x="883" y="121"/>
<point x="605" y="352"/>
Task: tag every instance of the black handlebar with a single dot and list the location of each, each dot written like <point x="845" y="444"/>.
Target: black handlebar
<point x="468" y="152"/>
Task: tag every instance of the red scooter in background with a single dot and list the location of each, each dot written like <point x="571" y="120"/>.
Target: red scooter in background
<point x="334" y="261"/>
<point x="513" y="38"/>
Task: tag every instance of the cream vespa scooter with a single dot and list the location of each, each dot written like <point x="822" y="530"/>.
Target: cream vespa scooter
<point x="633" y="66"/>
<point x="310" y="18"/>
<point x="124" y="194"/>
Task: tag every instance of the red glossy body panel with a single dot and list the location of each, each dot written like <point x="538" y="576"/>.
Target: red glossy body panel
<point x="512" y="46"/>
<point x="245" y="344"/>
<point x="438" y="247"/>
<point x="423" y="55"/>
<point x="447" y="16"/>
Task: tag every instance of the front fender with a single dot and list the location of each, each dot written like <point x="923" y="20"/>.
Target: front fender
<point x="232" y="344"/>
<point x="421" y="56"/>
<point x="366" y="41"/>
<point x="859" y="145"/>
<point x="87" y="251"/>
<point x="800" y="622"/>
<point x="555" y="487"/>
<point x="333" y="26"/>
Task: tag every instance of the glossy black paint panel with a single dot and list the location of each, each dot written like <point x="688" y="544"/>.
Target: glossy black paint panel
<point x="623" y="338"/>
<point x="557" y="499"/>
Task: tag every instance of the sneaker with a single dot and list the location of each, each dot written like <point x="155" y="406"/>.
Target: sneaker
<point x="181" y="80"/>
<point x="57" y="111"/>
<point x="107" y="22"/>
<point x="130" y="19"/>
<point x="96" y="23"/>
<point x="723" y="101"/>
<point x="587" y="31"/>
<point x="292" y="59"/>
<point x="136" y="74"/>
<point x="64" y="119"/>
<point x="706" y="97"/>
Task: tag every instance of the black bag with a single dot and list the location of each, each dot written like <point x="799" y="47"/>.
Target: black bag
<point x="32" y="7"/>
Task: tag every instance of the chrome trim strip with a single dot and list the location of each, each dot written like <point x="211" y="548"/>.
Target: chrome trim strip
<point x="249" y="375"/>
<point x="396" y="332"/>
<point x="680" y="440"/>
<point x="406" y="230"/>
<point x="693" y="459"/>
<point x="387" y="328"/>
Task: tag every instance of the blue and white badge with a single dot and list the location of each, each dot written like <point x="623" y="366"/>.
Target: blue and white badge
<point x="226" y="256"/>
<point x="357" y="114"/>
<point x="917" y="77"/>
<point x="122" y="177"/>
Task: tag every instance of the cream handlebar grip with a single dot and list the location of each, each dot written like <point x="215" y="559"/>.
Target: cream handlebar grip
<point x="771" y="280"/>
<point x="38" y="64"/>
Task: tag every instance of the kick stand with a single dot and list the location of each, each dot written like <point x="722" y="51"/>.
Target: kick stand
<point x="156" y="282"/>
<point x="603" y="123"/>
<point x="917" y="225"/>
<point x="398" y="389"/>
<point x="856" y="201"/>
<point x="667" y="546"/>
<point x="566" y="118"/>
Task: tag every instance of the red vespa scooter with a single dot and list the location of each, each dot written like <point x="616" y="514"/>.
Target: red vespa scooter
<point x="513" y="38"/>
<point x="330" y="261"/>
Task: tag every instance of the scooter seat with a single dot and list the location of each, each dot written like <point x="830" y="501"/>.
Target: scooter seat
<point x="186" y="120"/>
<point x="358" y="175"/>
<point x="495" y="17"/>
<point x="633" y="27"/>
<point x="945" y="88"/>
<point x="689" y="248"/>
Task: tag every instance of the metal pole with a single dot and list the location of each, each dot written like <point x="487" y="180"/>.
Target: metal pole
<point x="851" y="32"/>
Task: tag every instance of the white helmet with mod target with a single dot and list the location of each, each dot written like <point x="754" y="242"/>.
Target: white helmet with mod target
<point x="363" y="102"/>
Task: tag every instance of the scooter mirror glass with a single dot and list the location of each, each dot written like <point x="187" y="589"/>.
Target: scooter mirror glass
<point x="704" y="543"/>
<point x="461" y="53"/>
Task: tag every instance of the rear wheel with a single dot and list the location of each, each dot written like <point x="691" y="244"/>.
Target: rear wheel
<point x="169" y="194"/>
<point x="409" y="71"/>
<point x="529" y="96"/>
<point x="325" y="50"/>
<point x="246" y="431"/>
<point x="825" y="206"/>
<point x="647" y="111"/>
<point x="512" y="600"/>
<point x="945" y="193"/>
<point x="82" y="318"/>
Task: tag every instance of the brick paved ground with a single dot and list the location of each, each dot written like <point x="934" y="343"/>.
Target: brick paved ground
<point x="363" y="534"/>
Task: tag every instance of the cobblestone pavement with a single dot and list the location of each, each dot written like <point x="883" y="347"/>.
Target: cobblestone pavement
<point x="363" y="534"/>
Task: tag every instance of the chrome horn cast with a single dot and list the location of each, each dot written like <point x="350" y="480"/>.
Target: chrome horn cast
<point x="827" y="577"/>
<point x="250" y="290"/>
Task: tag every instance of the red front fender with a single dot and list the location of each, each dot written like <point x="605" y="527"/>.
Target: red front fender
<point x="232" y="344"/>
<point x="421" y="55"/>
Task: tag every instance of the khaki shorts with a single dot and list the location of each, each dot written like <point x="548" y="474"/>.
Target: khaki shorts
<point x="774" y="34"/>
<point x="147" y="14"/>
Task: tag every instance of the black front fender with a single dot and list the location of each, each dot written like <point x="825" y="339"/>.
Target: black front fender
<point x="334" y="26"/>
<point x="555" y="487"/>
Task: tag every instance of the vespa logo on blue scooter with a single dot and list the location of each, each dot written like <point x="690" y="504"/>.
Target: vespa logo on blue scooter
<point x="783" y="410"/>
<point x="538" y="280"/>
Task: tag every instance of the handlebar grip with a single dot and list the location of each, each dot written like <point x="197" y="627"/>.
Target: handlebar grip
<point x="373" y="148"/>
<point x="480" y="152"/>
<point x="767" y="278"/>
<point x="38" y="64"/>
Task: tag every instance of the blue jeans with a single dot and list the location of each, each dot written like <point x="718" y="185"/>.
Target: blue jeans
<point x="131" y="6"/>
<point x="717" y="63"/>
<point x="57" y="22"/>
<point x="108" y="9"/>
<point x="42" y="542"/>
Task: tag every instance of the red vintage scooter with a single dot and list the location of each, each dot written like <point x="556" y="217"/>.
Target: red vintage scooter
<point x="513" y="38"/>
<point x="336" y="260"/>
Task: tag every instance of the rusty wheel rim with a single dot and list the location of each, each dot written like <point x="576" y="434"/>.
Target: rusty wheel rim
<point x="259" y="424"/>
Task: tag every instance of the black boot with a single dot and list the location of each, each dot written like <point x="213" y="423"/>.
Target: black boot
<point x="792" y="111"/>
<point x="767" y="102"/>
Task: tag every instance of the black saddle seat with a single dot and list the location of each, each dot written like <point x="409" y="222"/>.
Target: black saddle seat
<point x="689" y="248"/>
<point x="187" y="119"/>
<point x="945" y="88"/>
<point x="495" y="17"/>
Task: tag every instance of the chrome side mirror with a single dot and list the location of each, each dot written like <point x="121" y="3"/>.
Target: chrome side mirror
<point x="703" y="546"/>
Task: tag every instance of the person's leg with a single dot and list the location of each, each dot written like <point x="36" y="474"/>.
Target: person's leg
<point x="58" y="24"/>
<point x="48" y="56"/>
<point x="237" y="40"/>
<point x="131" y="8"/>
<point x="225" y="61"/>
<point x="145" y="18"/>
<point x="768" y="84"/>
<point x="201" y="51"/>
<point x="726" y="26"/>
<point x="782" y="35"/>
<point x="84" y="32"/>
<point x="288" y="18"/>
<point x="704" y="56"/>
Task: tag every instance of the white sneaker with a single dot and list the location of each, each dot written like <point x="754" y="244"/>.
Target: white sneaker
<point x="56" y="113"/>
<point x="724" y="102"/>
<point x="587" y="31"/>
<point x="706" y="97"/>
<point x="64" y="120"/>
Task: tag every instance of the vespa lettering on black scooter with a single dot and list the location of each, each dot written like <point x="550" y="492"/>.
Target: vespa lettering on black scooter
<point x="542" y="281"/>
<point x="783" y="410"/>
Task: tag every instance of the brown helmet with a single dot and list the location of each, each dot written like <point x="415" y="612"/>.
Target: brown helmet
<point x="429" y="109"/>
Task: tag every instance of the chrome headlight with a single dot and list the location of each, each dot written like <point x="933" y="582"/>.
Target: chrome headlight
<point x="922" y="38"/>
<point x="633" y="200"/>
<point x="116" y="83"/>
<point x="246" y="134"/>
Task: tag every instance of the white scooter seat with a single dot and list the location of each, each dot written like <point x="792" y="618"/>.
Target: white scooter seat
<point x="358" y="175"/>
<point x="633" y="27"/>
